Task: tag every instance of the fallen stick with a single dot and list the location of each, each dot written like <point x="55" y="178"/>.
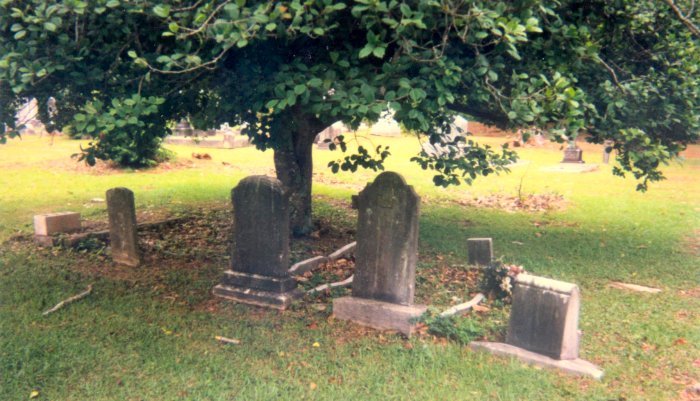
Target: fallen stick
<point x="227" y="340"/>
<point x="69" y="300"/>
<point x="324" y="287"/>
<point x="462" y="308"/>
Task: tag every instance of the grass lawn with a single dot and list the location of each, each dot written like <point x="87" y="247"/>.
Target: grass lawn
<point x="148" y="333"/>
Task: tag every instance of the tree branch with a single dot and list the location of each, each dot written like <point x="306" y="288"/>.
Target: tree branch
<point x="684" y="19"/>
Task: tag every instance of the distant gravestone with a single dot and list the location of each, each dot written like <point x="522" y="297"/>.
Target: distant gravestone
<point x="543" y="328"/>
<point x="260" y="261"/>
<point x="385" y="257"/>
<point x="573" y="155"/>
<point x="480" y="251"/>
<point x="123" y="237"/>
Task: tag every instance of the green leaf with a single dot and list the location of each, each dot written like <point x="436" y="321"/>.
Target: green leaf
<point x="162" y="10"/>
<point x="314" y="82"/>
<point x="379" y="52"/>
<point x="270" y="27"/>
<point x="132" y="54"/>
<point x="19" y="35"/>
<point x="112" y="3"/>
<point x="366" y="51"/>
<point x="299" y="89"/>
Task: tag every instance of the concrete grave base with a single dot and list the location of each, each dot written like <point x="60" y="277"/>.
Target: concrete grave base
<point x="267" y="299"/>
<point x="577" y="367"/>
<point x="377" y="314"/>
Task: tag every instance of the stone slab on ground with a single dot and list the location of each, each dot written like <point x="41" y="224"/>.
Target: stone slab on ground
<point x="277" y="300"/>
<point x="578" y="367"/>
<point x="571" y="168"/>
<point x="634" y="287"/>
<point x="53" y="223"/>
<point x="377" y="314"/>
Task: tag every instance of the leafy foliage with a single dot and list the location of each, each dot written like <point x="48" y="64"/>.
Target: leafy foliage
<point x="460" y="329"/>
<point x="128" y="130"/>
<point x="624" y="71"/>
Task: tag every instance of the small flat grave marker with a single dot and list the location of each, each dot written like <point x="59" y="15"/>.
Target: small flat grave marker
<point x="480" y="251"/>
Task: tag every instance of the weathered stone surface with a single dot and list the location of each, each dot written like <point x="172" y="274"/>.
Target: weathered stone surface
<point x="123" y="237"/>
<point x="307" y="265"/>
<point x="261" y="227"/>
<point x="573" y="155"/>
<point x="53" y="223"/>
<point x="577" y="367"/>
<point x="544" y="317"/>
<point x="387" y="240"/>
<point x="378" y="315"/>
<point x="259" y="265"/>
<point x="480" y="251"/>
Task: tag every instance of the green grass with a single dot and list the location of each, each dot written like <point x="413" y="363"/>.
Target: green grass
<point x="149" y="335"/>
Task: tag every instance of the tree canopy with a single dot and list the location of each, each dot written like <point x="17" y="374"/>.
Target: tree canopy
<point x="623" y="70"/>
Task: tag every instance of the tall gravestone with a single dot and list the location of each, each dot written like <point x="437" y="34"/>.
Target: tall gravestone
<point x="385" y="257"/>
<point x="260" y="261"/>
<point x="123" y="237"/>
<point x="543" y="327"/>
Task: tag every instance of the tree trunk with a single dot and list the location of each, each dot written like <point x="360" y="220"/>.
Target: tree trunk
<point x="294" y="167"/>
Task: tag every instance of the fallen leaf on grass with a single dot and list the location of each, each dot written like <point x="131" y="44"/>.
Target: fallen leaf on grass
<point x="34" y="394"/>
<point x="696" y="363"/>
<point x="517" y="243"/>
<point x="312" y="326"/>
<point x="316" y="345"/>
<point x="312" y="386"/>
<point x="680" y="341"/>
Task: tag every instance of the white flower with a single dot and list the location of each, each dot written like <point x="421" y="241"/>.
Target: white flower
<point x="505" y="285"/>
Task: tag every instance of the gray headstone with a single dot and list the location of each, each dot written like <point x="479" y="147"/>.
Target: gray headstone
<point x="260" y="261"/>
<point x="480" y="251"/>
<point x="387" y="240"/>
<point x="122" y="227"/>
<point x="544" y="317"/>
<point x="261" y="227"/>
